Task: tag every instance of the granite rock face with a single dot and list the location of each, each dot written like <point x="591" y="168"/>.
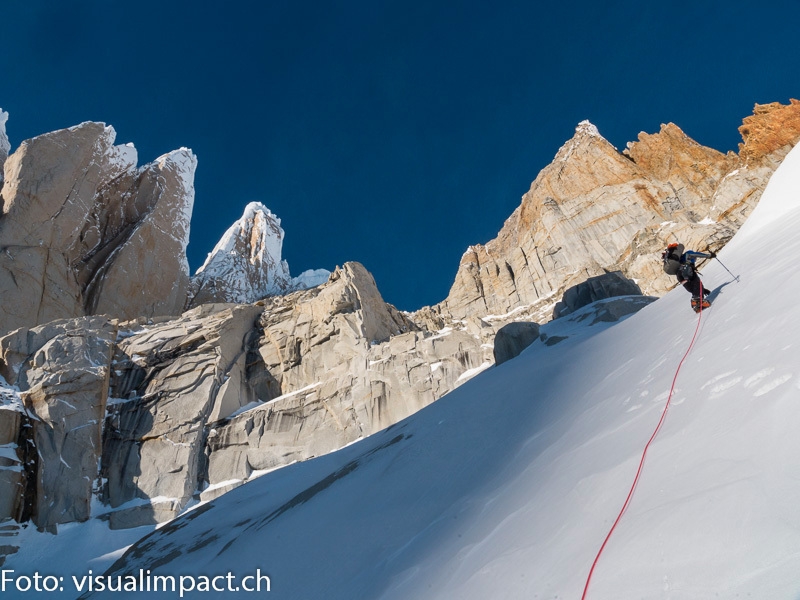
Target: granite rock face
<point x="593" y="289"/>
<point x="312" y="371"/>
<point x="512" y="339"/>
<point x="62" y="372"/>
<point x="84" y="231"/>
<point x="133" y="246"/>
<point x="337" y="364"/>
<point x="170" y="380"/>
<point x="595" y="209"/>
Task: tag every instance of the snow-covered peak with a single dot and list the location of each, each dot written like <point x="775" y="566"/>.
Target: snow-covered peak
<point x="586" y="134"/>
<point x="257" y="237"/>
<point x="5" y="146"/>
<point x="247" y="264"/>
<point x="586" y="127"/>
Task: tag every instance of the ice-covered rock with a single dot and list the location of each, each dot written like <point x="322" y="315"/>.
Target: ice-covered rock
<point x="310" y="278"/>
<point x="5" y="146"/>
<point x="247" y="265"/>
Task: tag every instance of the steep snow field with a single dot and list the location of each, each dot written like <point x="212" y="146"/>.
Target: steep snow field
<point x="507" y="487"/>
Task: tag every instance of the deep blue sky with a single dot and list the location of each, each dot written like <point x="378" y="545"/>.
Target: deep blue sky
<point x="391" y="133"/>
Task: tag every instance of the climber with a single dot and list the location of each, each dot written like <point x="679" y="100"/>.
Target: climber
<point x="681" y="264"/>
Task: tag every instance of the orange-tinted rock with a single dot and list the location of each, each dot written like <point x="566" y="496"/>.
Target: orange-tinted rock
<point x="594" y="209"/>
<point x="770" y="128"/>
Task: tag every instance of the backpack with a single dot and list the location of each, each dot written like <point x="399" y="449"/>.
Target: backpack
<point x="672" y="258"/>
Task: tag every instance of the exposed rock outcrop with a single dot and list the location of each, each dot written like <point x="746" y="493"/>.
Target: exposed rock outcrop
<point x="338" y="364"/>
<point x="594" y="209"/>
<point x="169" y="380"/>
<point x="593" y="289"/>
<point x="512" y="339"/>
<point x="246" y="263"/>
<point x="206" y="400"/>
<point x="84" y="231"/>
<point x="133" y="246"/>
<point x="62" y="372"/>
<point x="770" y="128"/>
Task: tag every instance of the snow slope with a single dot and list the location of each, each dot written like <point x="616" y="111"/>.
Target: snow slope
<point x="506" y="487"/>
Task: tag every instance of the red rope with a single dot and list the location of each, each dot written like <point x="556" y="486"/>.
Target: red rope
<point x="646" y="448"/>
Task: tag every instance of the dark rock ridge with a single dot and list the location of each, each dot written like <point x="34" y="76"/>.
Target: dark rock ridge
<point x="512" y="339"/>
<point x="593" y="289"/>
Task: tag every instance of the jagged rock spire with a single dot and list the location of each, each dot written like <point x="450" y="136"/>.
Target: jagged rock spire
<point x="5" y="146"/>
<point x="246" y="264"/>
<point x="595" y="209"/>
<point x="86" y="231"/>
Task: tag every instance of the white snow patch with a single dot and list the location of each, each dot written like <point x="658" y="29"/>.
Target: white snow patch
<point x="255" y="405"/>
<point x="310" y="278"/>
<point x="245" y="408"/>
<point x="5" y="145"/>
<point x="470" y="373"/>
<point x="444" y="332"/>
<point x="9" y="452"/>
<point x="223" y="484"/>
<point x="9" y="397"/>
<point x="588" y="128"/>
